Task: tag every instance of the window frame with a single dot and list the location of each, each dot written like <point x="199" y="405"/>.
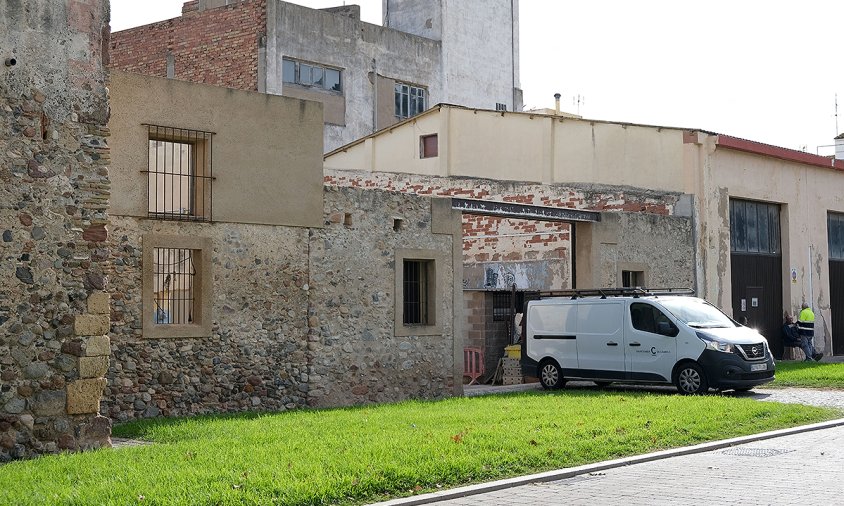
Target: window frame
<point x="423" y="152"/>
<point x="309" y="82"/>
<point x="408" y="98"/>
<point x="199" y="175"/>
<point x="201" y="248"/>
<point x="434" y="262"/>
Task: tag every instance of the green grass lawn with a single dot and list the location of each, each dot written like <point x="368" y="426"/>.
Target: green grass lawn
<point x="808" y="374"/>
<point x="349" y="456"/>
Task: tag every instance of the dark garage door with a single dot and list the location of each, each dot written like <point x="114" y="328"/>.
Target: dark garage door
<point x="756" y="265"/>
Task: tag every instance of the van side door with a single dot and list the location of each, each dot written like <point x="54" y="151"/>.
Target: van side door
<point x="600" y="342"/>
<point x="650" y="342"/>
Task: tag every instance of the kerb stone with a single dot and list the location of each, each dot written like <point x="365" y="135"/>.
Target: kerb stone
<point x="83" y="396"/>
<point x="93" y="367"/>
<point x="91" y="324"/>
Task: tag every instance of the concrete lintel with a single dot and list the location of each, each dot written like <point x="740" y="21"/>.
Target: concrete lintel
<point x="524" y="211"/>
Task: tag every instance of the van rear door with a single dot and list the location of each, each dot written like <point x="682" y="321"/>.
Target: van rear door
<point x="551" y="332"/>
<point x="600" y="341"/>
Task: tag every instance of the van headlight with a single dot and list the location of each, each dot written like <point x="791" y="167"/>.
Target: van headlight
<point x="713" y="343"/>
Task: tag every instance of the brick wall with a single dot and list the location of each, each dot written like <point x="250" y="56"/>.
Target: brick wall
<point x="215" y="46"/>
<point x="495" y="239"/>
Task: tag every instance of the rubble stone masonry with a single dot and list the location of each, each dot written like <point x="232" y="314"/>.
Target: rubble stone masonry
<point x="54" y="191"/>
<point x="301" y="316"/>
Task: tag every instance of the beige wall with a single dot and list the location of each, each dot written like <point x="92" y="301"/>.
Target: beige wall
<point x="266" y="157"/>
<point x="526" y="147"/>
<point x="806" y="194"/>
<point x="333" y="104"/>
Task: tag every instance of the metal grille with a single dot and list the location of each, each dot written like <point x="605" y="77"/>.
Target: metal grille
<point x="755" y="452"/>
<point x="173" y="292"/>
<point x="500" y="306"/>
<point x="753" y="351"/>
<point x="415" y="292"/>
<point x="179" y="173"/>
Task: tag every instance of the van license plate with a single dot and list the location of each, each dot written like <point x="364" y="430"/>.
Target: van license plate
<point x="758" y="367"/>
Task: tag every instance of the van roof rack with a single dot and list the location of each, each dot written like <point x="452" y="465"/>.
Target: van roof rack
<point x="637" y="291"/>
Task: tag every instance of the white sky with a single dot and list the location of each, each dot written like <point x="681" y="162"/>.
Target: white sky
<point x="762" y="70"/>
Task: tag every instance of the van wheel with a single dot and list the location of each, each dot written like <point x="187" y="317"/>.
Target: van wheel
<point x="550" y="375"/>
<point x="690" y="379"/>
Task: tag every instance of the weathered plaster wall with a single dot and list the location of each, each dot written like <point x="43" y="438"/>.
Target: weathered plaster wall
<point x="496" y="251"/>
<point x="480" y="46"/>
<point x="256" y="356"/>
<point x="806" y="195"/>
<point x="54" y="194"/>
<point x="357" y="354"/>
<point x="362" y="50"/>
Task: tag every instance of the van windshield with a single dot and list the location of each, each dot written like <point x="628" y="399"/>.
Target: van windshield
<point x="697" y="313"/>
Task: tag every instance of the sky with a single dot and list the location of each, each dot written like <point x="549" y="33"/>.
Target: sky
<point x="767" y="71"/>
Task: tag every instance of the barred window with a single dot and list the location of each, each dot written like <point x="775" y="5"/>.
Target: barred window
<point x="416" y="292"/>
<point x="179" y="170"/>
<point x="177" y="286"/>
<point x="410" y="100"/>
<point x="173" y="293"/>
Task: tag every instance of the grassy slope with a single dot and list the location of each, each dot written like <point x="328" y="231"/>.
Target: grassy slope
<point x="354" y="455"/>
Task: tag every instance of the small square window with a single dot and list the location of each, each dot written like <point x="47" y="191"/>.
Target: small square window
<point x="632" y="279"/>
<point x="500" y="107"/>
<point x="428" y="146"/>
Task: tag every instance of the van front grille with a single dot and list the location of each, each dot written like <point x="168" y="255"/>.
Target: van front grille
<point x="753" y="351"/>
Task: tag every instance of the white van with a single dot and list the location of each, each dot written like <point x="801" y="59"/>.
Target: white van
<point x="641" y="336"/>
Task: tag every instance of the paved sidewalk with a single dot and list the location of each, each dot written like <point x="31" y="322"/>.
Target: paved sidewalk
<point x="797" y="469"/>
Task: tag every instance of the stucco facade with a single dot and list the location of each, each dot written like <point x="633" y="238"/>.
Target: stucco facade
<point x="450" y="50"/>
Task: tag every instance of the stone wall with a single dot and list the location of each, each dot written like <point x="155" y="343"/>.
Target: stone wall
<point x="54" y="190"/>
<point x="300" y="316"/>
<point x="357" y="355"/>
<point x="255" y="358"/>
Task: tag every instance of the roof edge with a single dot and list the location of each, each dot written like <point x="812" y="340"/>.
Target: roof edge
<point x="791" y="155"/>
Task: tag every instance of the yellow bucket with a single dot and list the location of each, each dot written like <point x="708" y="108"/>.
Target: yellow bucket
<point x="513" y="351"/>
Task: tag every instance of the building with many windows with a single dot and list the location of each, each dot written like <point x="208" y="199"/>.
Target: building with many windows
<point x="366" y="76"/>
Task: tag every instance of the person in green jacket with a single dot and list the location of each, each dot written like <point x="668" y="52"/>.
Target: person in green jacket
<point x="806" y="331"/>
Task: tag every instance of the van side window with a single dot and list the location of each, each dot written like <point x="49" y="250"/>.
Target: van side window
<point x="647" y="318"/>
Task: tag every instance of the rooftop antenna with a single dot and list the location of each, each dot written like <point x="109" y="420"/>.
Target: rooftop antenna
<point x="578" y="100"/>
<point x="836" y="115"/>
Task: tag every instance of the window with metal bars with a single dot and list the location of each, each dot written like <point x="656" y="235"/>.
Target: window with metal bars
<point x="416" y="292"/>
<point x="179" y="173"/>
<point x="173" y="281"/>
<point x="410" y="100"/>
